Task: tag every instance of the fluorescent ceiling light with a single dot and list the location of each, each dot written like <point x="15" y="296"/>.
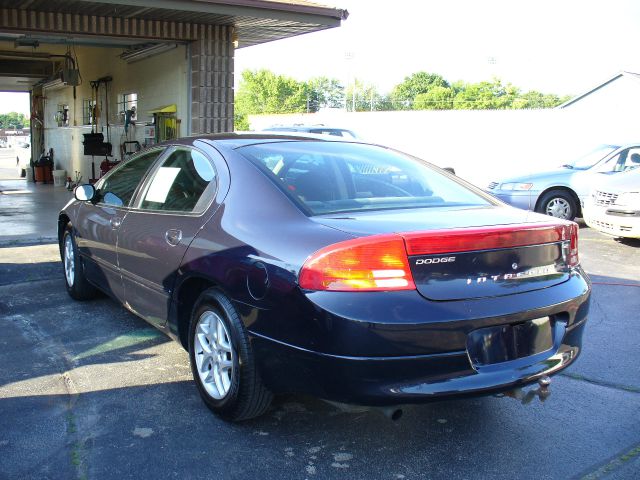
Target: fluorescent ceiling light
<point x="54" y="84"/>
<point x="132" y="56"/>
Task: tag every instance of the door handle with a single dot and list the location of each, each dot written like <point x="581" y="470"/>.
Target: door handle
<point x="115" y="222"/>
<point x="173" y="236"/>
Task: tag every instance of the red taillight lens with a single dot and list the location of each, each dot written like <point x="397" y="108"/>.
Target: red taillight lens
<point x="374" y="263"/>
<point x="488" y="238"/>
<point x="573" y="258"/>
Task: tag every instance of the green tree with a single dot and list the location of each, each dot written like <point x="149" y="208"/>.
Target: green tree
<point x="437" y="98"/>
<point x="13" y="119"/>
<point x="323" y="92"/>
<point x="262" y="91"/>
<point x="534" y="99"/>
<point x="404" y="94"/>
<point x="491" y="95"/>
<point x="240" y="121"/>
<point x="364" y="97"/>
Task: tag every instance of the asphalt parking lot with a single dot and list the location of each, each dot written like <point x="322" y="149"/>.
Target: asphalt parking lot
<point x="89" y="391"/>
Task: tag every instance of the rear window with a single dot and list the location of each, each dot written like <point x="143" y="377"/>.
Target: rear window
<point x="333" y="177"/>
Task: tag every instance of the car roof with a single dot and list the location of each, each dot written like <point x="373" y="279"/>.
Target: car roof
<point x="243" y="139"/>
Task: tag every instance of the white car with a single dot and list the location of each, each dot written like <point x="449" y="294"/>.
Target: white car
<point x="315" y="129"/>
<point x="613" y="207"/>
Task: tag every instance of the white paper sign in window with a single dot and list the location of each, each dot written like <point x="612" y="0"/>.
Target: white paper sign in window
<point x="161" y="184"/>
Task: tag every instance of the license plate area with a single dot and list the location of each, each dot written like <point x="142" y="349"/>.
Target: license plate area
<point x="504" y="343"/>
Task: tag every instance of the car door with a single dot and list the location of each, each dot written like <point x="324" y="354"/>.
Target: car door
<point x="170" y="209"/>
<point x="98" y="223"/>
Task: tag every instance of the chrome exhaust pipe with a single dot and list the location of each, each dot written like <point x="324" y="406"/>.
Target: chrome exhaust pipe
<point x="542" y="392"/>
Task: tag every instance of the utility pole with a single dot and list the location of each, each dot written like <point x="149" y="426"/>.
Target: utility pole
<point x="349" y="56"/>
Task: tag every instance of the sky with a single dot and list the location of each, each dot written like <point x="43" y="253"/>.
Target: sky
<point x="14" y="102"/>
<point x="564" y="47"/>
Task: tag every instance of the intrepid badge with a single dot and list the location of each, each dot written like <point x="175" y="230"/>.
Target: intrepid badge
<point x="541" y="271"/>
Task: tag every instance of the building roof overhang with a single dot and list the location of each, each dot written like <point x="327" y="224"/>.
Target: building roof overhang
<point x="622" y="74"/>
<point x="255" y="21"/>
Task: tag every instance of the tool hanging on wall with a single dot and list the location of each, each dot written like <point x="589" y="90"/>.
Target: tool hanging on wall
<point x="94" y="143"/>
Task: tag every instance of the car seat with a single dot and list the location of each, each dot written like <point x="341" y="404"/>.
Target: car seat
<point x="634" y="162"/>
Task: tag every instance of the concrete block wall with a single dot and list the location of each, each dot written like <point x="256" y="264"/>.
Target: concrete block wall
<point x="212" y="80"/>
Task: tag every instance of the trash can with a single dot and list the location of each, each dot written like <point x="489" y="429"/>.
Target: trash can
<point x="43" y="169"/>
<point x="59" y="178"/>
<point x="38" y="175"/>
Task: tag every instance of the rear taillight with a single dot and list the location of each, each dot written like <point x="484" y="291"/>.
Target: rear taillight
<point x="371" y="263"/>
<point x="573" y="260"/>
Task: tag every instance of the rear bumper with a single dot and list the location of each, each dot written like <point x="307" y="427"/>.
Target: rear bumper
<point x="402" y="380"/>
<point x="380" y="364"/>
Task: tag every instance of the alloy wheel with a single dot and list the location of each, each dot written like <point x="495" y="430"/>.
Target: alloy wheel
<point x="214" y="354"/>
<point x="69" y="261"/>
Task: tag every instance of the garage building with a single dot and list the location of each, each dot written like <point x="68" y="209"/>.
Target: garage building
<point x="110" y="68"/>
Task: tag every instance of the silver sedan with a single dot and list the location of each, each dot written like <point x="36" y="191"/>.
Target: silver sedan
<point x="561" y="192"/>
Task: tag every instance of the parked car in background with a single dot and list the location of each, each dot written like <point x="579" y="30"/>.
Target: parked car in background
<point x="339" y="269"/>
<point x="613" y="207"/>
<point x="315" y="129"/>
<point x="560" y="192"/>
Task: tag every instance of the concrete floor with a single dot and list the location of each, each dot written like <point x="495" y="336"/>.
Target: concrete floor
<point x="29" y="211"/>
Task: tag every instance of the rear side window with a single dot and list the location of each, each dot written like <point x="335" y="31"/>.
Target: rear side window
<point x="118" y="187"/>
<point x="183" y="183"/>
<point x="331" y="177"/>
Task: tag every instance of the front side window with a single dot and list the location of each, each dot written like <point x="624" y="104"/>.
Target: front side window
<point x="183" y="183"/>
<point x="590" y="159"/>
<point x="331" y="177"/>
<point x="627" y="159"/>
<point x="118" y="187"/>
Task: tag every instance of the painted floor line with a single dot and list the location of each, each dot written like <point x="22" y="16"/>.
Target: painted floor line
<point x="602" y="383"/>
<point x="614" y="464"/>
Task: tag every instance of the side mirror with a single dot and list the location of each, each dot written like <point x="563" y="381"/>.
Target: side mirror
<point x="85" y="192"/>
<point x="450" y="170"/>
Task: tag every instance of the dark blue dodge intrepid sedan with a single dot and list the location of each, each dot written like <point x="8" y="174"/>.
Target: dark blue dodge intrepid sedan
<point x="344" y="270"/>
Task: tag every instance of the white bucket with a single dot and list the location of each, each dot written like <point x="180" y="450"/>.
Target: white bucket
<point x="59" y="178"/>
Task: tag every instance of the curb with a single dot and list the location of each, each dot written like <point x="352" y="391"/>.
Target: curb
<point x="26" y="242"/>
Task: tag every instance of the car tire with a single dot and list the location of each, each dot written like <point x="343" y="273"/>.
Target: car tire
<point x="559" y="204"/>
<point x="76" y="281"/>
<point x="222" y="360"/>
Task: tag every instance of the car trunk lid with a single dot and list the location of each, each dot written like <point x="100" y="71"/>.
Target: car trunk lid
<point x="489" y="261"/>
<point x="468" y="255"/>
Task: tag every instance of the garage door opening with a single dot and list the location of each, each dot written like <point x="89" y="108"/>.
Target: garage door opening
<point x="15" y="132"/>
